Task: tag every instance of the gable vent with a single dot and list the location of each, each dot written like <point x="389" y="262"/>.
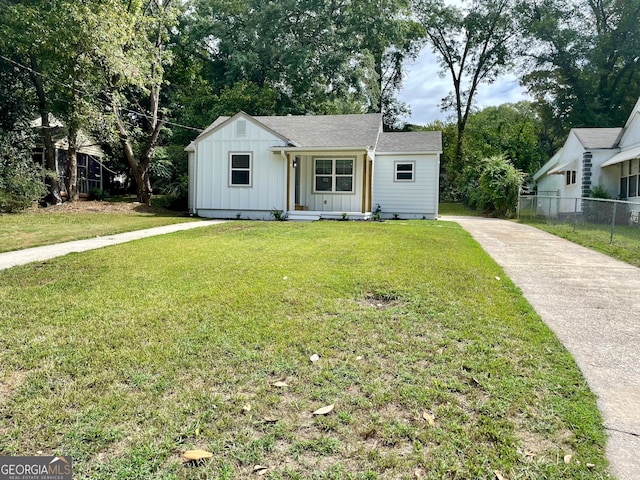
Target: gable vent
<point x="241" y="127"/>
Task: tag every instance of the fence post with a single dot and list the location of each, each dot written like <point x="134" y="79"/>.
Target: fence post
<point x="613" y="222"/>
<point x="534" y="207"/>
<point x="575" y="215"/>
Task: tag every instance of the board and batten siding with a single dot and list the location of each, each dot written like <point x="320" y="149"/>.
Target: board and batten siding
<point x="330" y="202"/>
<point x="415" y="199"/>
<point x="215" y="197"/>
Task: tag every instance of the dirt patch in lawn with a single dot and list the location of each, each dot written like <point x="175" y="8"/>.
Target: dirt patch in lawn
<point x="99" y="206"/>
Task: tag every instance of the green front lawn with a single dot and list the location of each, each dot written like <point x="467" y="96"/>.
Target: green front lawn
<point x="44" y="227"/>
<point x="126" y="357"/>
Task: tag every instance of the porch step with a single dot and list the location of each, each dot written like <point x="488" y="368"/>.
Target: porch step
<point x="302" y="216"/>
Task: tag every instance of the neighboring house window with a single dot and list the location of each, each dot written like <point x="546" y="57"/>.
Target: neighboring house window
<point x="240" y="169"/>
<point x="570" y="177"/>
<point x="333" y="175"/>
<point x="629" y="181"/>
<point x="404" y="171"/>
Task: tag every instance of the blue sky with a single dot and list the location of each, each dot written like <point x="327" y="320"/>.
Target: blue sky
<point x="423" y="90"/>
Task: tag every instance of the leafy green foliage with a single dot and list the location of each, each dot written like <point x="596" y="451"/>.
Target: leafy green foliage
<point x="493" y="186"/>
<point x="587" y="77"/>
<point x="21" y="180"/>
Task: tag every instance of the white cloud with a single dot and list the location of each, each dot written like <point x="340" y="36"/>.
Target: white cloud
<point x="424" y="90"/>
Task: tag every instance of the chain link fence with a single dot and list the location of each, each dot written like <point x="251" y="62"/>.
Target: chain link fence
<point x="610" y="220"/>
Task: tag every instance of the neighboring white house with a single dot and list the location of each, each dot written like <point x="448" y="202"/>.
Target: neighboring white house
<point x="312" y="167"/>
<point x="590" y="157"/>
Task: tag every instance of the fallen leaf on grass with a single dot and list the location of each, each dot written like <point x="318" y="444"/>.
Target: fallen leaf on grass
<point x="591" y="465"/>
<point x="194" y="455"/>
<point x="246" y="408"/>
<point x="429" y="418"/>
<point x="260" y="470"/>
<point x="324" y="410"/>
<point x="567" y="458"/>
<point x="280" y="384"/>
<point x="314" y="358"/>
<point x="499" y="475"/>
<point x="269" y="419"/>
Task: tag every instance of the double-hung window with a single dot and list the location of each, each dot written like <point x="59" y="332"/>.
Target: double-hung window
<point x="240" y="169"/>
<point x="404" y="171"/>
<point x="630" y="180"/>
<point x="333" y="175"/>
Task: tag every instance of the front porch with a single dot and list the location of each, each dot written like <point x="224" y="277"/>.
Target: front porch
<point x="314" y="215"/>
<point x="328" y="184"/>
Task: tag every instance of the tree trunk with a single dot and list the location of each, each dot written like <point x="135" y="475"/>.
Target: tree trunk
<point x="51" y="178"/>
<point x="72" y="167"/>
<point x="140" y="168"/>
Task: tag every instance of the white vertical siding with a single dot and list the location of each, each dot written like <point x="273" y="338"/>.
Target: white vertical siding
<point x="268" y="171"/>
<point x="407" y="199"/>
<point x="330" y="202"/>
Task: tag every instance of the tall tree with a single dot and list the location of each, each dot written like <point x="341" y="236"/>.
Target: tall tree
<point x="474" y="45"/>
<point x="20" y="179"/>
<point x="587" y="76"/>
<point x="308" y="56"/>
<point x="132" y="55"/>
<point x="25" y="30"/>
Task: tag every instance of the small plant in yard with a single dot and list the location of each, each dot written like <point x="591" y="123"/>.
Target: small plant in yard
<point x="377" y="213"/>
<point x="426" y="365"/>
<point x="345" y="217"/>
<point x="279" y="215"/>
<point x="238" y="216"/>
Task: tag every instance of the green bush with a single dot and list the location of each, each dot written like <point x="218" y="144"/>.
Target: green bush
<point x="492" y="186"/>
<point x="21" y="180"/>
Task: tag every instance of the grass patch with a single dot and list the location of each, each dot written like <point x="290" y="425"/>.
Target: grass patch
<point x="626" y="239"/>
<point x="455" y="208"/>
<point x="34" y="228"/>
<point x="126" y="357"/>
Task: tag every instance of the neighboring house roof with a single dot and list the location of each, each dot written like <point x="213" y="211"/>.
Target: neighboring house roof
<point x="553" y="161"/>
<point x="348" y="131"/>
<point x="623" y="156"/>
<point x="86" y="143"/>
<point x="597" y="138"/>
<point x="409" y="142"/>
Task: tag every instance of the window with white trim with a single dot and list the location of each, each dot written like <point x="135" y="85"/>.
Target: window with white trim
<point x="240" y="169"/>
<point x="570" y="177"/>
<point x="404" y="171"/>
<point x="630" y="180"/>
<point x="333" y="175"/>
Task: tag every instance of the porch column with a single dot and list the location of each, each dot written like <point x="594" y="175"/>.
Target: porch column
<point x="288" y="181"/>
<point x="364" y="183"/>
<point x="370" y="181"/>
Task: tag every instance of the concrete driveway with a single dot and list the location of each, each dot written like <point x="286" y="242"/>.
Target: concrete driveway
<point x="592" y="304"/>
<point x="39" y="254"/>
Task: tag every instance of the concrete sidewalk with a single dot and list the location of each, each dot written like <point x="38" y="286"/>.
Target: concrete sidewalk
<point x="39" y="254"/>
<point x="591" y="302"/>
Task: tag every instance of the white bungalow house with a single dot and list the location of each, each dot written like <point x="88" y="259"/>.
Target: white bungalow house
<point x="605" y="157"/>
<point x="312" y="167"/>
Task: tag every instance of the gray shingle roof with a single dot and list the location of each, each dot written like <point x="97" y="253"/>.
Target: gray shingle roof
<point x="406" y="142"/>
<point x="597" y="137"/>
<point x="320" y="130"/>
